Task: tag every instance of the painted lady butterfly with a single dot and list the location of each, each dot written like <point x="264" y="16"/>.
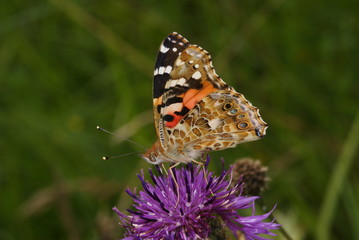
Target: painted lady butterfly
<point x="195" y="111"/>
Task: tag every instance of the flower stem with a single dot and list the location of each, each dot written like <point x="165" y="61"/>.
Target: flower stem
<point x="335" y="185"/>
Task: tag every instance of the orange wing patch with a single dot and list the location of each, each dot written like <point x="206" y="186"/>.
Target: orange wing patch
<point x="190" y="99"/>
<point x="193" y="96"/>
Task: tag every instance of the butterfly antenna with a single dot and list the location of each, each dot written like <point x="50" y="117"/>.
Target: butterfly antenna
<point x="118" y="156"/>
<point x="123" y="138"/>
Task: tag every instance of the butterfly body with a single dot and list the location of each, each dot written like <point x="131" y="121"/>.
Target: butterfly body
<point x="195" y="111"/>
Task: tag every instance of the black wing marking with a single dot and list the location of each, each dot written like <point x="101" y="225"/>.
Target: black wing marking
<point x="169" y="51"/>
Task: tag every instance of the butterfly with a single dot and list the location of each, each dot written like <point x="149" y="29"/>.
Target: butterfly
<point x="194" y="110"/>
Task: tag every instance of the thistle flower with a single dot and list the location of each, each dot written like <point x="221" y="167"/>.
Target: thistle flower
<point x="202" y="197"/>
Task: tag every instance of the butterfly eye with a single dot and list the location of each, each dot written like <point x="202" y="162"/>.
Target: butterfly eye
<point x="242" y="125"/>
<point x="152" y="157"/>
<point x="227" y="106"/>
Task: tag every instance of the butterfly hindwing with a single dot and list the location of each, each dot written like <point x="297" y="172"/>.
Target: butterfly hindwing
<point x="221" y="120"/>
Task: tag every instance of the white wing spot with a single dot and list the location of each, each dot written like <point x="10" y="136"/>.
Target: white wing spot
<point x="161" y="70"/>
<point x="191" y="62"/>
<point x="174" y="49"/>
<point x="180" y="43"/>
<point x="168" y="84"/>
<point x="156" y="72"/>
<point x="196" y="66"/>
<point x="168" y="69"/>
<point x="214" y="123"/>
<point x="173" y="83"/>
<point x="181" y="81"/>
<point x="196" y="75"/>
<point x="163" y="49"/>
<point x="176" y="82"/>
<point x="179" y="62"/>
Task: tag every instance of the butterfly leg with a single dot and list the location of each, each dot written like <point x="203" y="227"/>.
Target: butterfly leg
<point x="164" y="168"/>
<point x="174" y="179"/>
<point x="198" y="162"/>
<point x="202" y="164"/>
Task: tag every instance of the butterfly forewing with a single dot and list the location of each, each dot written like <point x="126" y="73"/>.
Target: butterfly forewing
<point x="168" y="52"/>
<point x="191" y="79"/>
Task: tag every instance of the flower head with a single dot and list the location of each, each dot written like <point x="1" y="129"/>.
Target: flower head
<point x="165" y="212"/>
<point x="252" y="174"/>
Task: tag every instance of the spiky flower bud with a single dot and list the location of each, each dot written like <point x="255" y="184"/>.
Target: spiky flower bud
<point x="252" y="174"/>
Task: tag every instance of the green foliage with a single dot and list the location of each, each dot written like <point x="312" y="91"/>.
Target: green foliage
<point x="67" y="66"/>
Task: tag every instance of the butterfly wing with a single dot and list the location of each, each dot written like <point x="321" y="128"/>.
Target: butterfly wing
<point x="184" y="75"/>
<point x="168" y="53"/>
<point x="223" y="119"/>
<point x="195" y="111"/>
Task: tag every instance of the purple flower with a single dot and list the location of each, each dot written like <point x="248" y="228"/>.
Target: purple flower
<point x="161" y="214"/>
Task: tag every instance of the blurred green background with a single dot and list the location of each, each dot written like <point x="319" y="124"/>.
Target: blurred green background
<point x="67" y="66"/>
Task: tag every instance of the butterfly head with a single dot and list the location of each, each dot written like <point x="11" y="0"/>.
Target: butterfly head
<point x="151" y="158"/>
<point x="152" y="154"/>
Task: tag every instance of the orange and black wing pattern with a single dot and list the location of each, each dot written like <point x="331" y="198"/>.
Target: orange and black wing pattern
<point x="183" y="76"/>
